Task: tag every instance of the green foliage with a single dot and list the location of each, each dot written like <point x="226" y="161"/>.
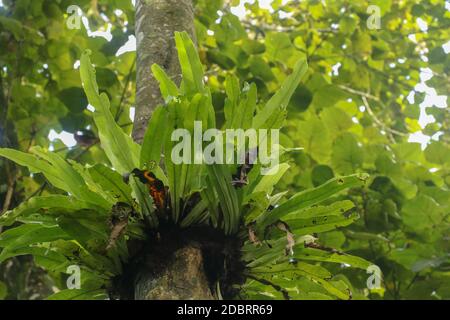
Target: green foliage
<point x="279" y="102"/>
<point x="118" y="146"/>
<point x="73" y="227"/>
<point x="353" y="112"/>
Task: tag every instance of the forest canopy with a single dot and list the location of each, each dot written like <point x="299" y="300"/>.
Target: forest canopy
<point x="357" y="90"/>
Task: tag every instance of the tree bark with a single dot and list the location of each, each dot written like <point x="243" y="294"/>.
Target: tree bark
<point x="169" y="273"/>
<point x="156" y="23"/>
<point x="178" y="276"/>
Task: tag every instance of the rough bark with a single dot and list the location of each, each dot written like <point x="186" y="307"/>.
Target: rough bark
<point x="180" y="273"/>
<point x="179" y="277"/>
<point x="156" y="23"/>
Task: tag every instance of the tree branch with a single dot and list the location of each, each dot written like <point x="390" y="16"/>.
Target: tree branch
<point x="364" y="96"/>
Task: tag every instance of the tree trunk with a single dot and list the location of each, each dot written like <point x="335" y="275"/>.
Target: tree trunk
<point x="174" y="275"/>
<point x="156" y="23"/>
<point x="168" y="272"/>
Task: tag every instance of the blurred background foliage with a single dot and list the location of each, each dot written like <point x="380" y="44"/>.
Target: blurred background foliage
<point x="374" y="100"/>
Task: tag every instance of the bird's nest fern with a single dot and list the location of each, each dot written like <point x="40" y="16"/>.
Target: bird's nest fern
<point x="98" y="216"/>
